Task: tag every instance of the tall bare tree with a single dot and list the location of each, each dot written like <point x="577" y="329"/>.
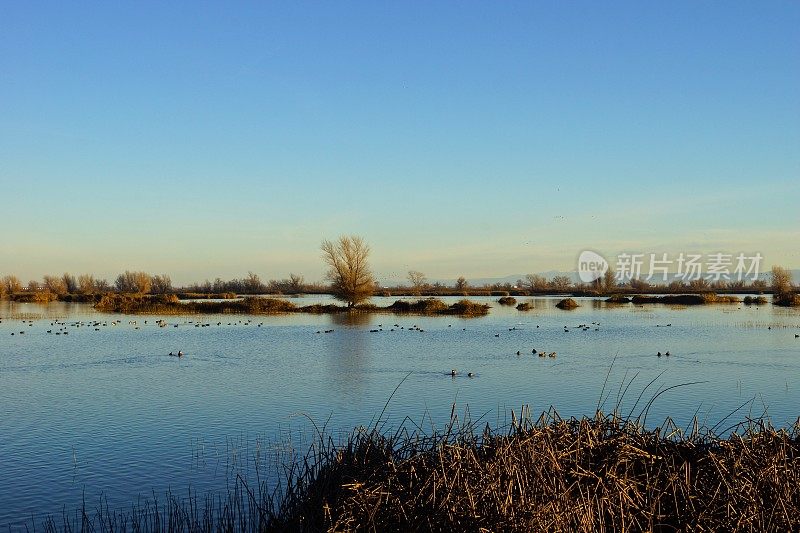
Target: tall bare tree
<point x="418" y="280"/>
<point x="349" y="273"/>
<point x="462" y="283"/>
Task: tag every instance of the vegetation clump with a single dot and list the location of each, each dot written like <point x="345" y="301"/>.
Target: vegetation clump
<point x="507" y="300"/>
<point x="618" y="299"/>
<point x="524" y="306"/>
<point x="755" y="300"/>
<point x="567" y="303"/>
<point x="787" y="300"/>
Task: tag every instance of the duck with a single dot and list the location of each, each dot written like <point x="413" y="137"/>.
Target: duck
<point x="470" y="375"/>
<point x="180" y="353"/>
<point x="659" y="354"/>
<point x="453" y="372"/>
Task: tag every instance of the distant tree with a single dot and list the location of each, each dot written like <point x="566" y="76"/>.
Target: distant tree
<point x="349" y="273"/>
<point x="160" y="284"/>
<point x="101" y="285"/>
<point x="54" y="284"/>
<point x="70" y="283"/>
<point x="461" y="283"/>
<point x="86" y="283"/>
<point x="561" y="283"/>
<point x="296" y="283"/>
<point x="418" y="280"/>
<point x="759" y="284"/>
<point x="609" y="280"/>
<point x="136" y="282"/>
<point x="33" y="285"/>
<point x="781" y="282"/>
<point x="638" y="284"/>
<point x="535" y="282"/>
<point x="12" y="284"/>
<point x="252" y="284"/>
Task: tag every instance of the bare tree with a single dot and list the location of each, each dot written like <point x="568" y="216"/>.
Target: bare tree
<point x="418" y="280"/>
<point x="160" y="284"/>
<point x="609" y="280"/>
<point x="462" y="283"/>
<point x="560" y="283"/>
<point x="253" y="284"/>
<point x="70" y="283"/>
<point x="33" y="285"/>
<point x="54" y="284"/>
<point x="296" y="283"/>
<point x="535" y="282"/>
<point x="12" y="284"/>
<point x="86" y="283"/>
<point x="138" y="282"/>
<point x="349" y="274"/>
<point x="781" y="282"/>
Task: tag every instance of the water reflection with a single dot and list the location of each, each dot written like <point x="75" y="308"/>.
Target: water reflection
<point x="348" y="354"/>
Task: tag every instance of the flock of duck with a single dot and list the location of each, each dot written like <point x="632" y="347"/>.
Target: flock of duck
<point x="61" y="328"/>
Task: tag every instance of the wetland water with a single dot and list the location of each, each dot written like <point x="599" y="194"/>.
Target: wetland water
<point x="105" y="411"/>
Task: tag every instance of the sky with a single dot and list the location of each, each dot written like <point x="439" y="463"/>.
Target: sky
<point x="209" y="139"/>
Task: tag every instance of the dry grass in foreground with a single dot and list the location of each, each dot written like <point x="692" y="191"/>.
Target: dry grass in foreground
<point x="593" y="474"/>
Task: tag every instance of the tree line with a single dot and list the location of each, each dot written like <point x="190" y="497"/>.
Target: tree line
<point x="351" y="280"/>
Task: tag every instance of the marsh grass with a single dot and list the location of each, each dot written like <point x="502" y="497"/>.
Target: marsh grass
<point x="548" y="473"/>
<point x="567" y="303"/>
<point x="171" y="305"/>
<point x="507" y="300"/>
<point x="686" y="299"/>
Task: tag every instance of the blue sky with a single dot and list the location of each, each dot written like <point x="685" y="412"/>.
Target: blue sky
<point x="483" y="139"/>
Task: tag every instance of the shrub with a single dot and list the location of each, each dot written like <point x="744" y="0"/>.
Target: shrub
<point x="507" y="300"/>
<point x="567" y="303"/>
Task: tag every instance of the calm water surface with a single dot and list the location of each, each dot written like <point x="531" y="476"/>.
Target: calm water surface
<point x="108" y="412"/>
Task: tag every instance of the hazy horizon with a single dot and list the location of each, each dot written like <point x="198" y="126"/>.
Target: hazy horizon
<point x="457" y="138"/>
